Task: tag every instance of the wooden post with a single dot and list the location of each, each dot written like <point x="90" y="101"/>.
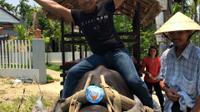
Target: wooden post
<point x="136" y="30"/>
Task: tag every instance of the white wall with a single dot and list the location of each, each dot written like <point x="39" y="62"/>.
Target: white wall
<point x="21" y="73"/>
<point x="56" y="57"/>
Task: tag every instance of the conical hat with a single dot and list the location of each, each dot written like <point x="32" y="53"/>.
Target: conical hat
<point x="178" y="22"/>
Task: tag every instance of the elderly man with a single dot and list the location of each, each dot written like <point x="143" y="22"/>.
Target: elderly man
<point x="180" y="65"/>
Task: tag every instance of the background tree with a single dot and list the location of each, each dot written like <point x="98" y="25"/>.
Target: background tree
<point x="124" y="24"/>
<point x="147" y="39"/>
<point x="23" y="8"/>
<point x="7" y="6"/>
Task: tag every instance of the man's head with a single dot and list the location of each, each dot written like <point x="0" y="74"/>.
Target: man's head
<point x="179" y="28"/>
<point x="179" y="38"/>
<point x="88" y="6"/>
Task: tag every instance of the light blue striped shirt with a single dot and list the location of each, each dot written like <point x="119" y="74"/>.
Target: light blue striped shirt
<point x="183" y="72"/>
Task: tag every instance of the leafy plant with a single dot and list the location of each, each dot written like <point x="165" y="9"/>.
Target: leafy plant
<point x="22" y="32"/>
<point x="147" y="39"/>
<point x="7" y="6"/>
<point x="176" y="7"/>
<point x="122" y="23"/>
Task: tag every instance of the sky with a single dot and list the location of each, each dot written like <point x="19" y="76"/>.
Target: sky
<point x="16" y="2"/>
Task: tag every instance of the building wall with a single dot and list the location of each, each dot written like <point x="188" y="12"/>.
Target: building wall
<point x="8" y="29"/>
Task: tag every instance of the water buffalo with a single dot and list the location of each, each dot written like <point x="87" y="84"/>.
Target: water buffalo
<point x="118" y="97"/>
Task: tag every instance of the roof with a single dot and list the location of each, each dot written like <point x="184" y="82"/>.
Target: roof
<point x="7" y="17"/>
<point x="149" y="9"/>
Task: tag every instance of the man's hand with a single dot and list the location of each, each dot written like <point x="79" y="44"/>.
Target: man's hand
<point x="55" y="10"/>
<point x="172" y="94"/>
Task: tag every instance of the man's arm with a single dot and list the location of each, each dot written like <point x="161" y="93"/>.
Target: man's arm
<point x="56" y="9"/>
<point x="196" y="107"/>
<point x="118" y="3"/>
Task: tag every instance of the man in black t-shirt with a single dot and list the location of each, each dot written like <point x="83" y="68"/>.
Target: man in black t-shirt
<point x="96" y="22"/>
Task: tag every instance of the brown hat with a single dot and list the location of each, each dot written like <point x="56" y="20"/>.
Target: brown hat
<point x="178" y="22"/>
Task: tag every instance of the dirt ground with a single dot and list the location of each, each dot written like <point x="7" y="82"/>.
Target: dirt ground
<point x="9" y="91"/>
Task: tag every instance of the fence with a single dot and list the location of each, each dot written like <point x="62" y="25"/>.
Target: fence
<point x="15" y="54"/>
<point x="23" y="59"/>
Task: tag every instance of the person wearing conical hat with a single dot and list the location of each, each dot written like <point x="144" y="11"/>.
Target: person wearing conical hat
<point x="95" y="19"/>
<point x="180" y="65"/>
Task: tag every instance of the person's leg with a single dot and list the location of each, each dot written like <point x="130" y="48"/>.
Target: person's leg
<point x="149" y="86"/>
<point x="176" y="107"/>
<point x="121" y="61"/>
<point x="159" y="94"/>
<point x="76" y="72"/>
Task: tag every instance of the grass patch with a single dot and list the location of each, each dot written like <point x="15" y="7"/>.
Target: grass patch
<point x="51" y="79"/>
<point x="54" y="67"/>
<point x="27" y="105"/>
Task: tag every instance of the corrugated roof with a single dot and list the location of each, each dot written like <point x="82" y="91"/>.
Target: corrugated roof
<point x="7" y="17"/>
